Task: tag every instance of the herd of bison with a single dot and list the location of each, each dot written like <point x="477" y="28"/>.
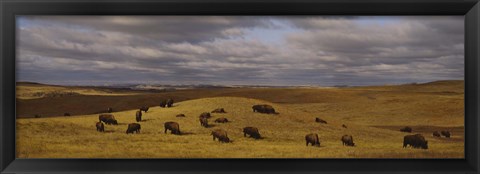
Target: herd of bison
<point x="415" y="141"/>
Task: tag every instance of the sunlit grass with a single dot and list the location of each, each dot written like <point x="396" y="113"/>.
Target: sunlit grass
<point x="76" y="136"/>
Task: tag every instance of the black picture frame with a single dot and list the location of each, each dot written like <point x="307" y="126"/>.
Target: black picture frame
<point x="10" y="8"/>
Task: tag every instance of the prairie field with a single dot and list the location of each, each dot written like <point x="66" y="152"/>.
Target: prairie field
<point x="373" y="116"/>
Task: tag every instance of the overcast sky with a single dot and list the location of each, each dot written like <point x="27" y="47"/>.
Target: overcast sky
<point x="255" y="50"/>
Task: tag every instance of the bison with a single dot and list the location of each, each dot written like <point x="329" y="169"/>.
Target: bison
<point x="415" y="141"/>
<point x="163" y="103"/>
<point x="100" y="127"/>
<point x="347" y="140"/>
<point x="138" y="116"/>
<point x="169" y="103"/>
<point x="252" y="132"/>
<point x="38" y="116"/>
<point x="180" y="115"/>
<point x="204" y="121"/>
<point x="109" y="110"/>
<point x="144" y="108"/>
<point x="173" y="127"/>
<point x="133" y="128"/>
<point x="66" y="114"/>
<point x="221" y="135"/>
<point x="445" y="133"/>
<point x="406" y="129"/>
<point x="205" y="115"/>
<point x="219" y="110"/>
<point x="266" y="109"/>
<point x="344" y="126"/>
<point x="436" y="134"/>
<point x="312" y="139"/>
<point x="107" y="118"/>
<point x="319" y="120"/>
<point x="221" y="120"/>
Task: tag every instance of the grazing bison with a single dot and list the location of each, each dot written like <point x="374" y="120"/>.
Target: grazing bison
<point x="100" y="127"/>
<point x="221" y="120"/>
<point x="107" y="118"/>
<point x="109" y="110"/>
<point x="221" y="135"/>
<point x="111" y="121"/>
<point x="406" y="129"/>
<point x="180" y="115"/>
<point x="319" y="120"/>
<point x="445" y="133"/>
<point x="66" y="114"/>
<point x="219" y="110"/>
<point x="266" y="109"/>
<point x="163" y="103"/>
<point x="38" y="116"/>
<point x="133" y="128"/>
<point x="169" y="102"/>
<point x="252" y="132"/>
<point x="205" y="115"/>
<point x="173" y="127"/>
<point x="344" y="126"/>
<point x="347" y="140"/>
<point x="144" y="108"/>
<point x="415" y="141"/>
<point x="204" y="121"/>
<point x="436" y="134"/>
<point x="312" y="139"/>
<point x="138" y="116"/>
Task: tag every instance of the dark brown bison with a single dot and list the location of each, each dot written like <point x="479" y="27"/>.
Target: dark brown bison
<point x="100" y="127"/>
<point x="266" y="109"/>
<point x="436" y="134"/>
<point x="221" y="120"/>
<point x="66" y="114"/>
<point x="144" y="108"/>
<point x="180" y="115"/>
<point x="319" y="120"/>
<point x="252" y="132"/>
<point x="163" y="103"/>
<point x="107" y="119"/>
<point x="133" y="128"/>
<point x="169" y="102"/>
<point x="109" y="110"/>
<point x="221" y="135"/>
<point x="38" y="116"/>
<point x="173" y="127"/>
<point x="204" y="121"/>
<point x="205" y="115"/>
<point x="347" y="140"/>
<point x="445" y="133"/>
<point x="219" y="110"/>
<point x="138" y="116"/>
<point x="344" y="126"/>
<point x="415" y="141"/>
<point x="406" y="129"/>
<point x="312" y="139"/>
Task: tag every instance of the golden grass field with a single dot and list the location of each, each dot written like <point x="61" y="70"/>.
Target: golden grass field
<point x="373" y="116"/>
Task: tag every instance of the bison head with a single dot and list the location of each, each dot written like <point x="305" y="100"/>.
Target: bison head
<point x="425" y="145"/>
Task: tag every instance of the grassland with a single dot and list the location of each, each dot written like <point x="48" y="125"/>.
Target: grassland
<point x="373" y="116"/>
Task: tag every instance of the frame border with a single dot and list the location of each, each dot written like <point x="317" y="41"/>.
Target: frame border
<point x="10" y="8"/>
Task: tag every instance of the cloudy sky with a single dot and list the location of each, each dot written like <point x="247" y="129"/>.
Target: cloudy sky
<point x="248" y="50"/>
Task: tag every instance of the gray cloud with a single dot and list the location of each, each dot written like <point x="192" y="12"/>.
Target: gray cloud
<point x="222" y="49"/>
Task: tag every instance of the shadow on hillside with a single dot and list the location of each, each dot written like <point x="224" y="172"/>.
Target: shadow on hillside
<point x="145" y="120"/>
<point x="210" y="125"/>
<point x="187" y="133"/>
